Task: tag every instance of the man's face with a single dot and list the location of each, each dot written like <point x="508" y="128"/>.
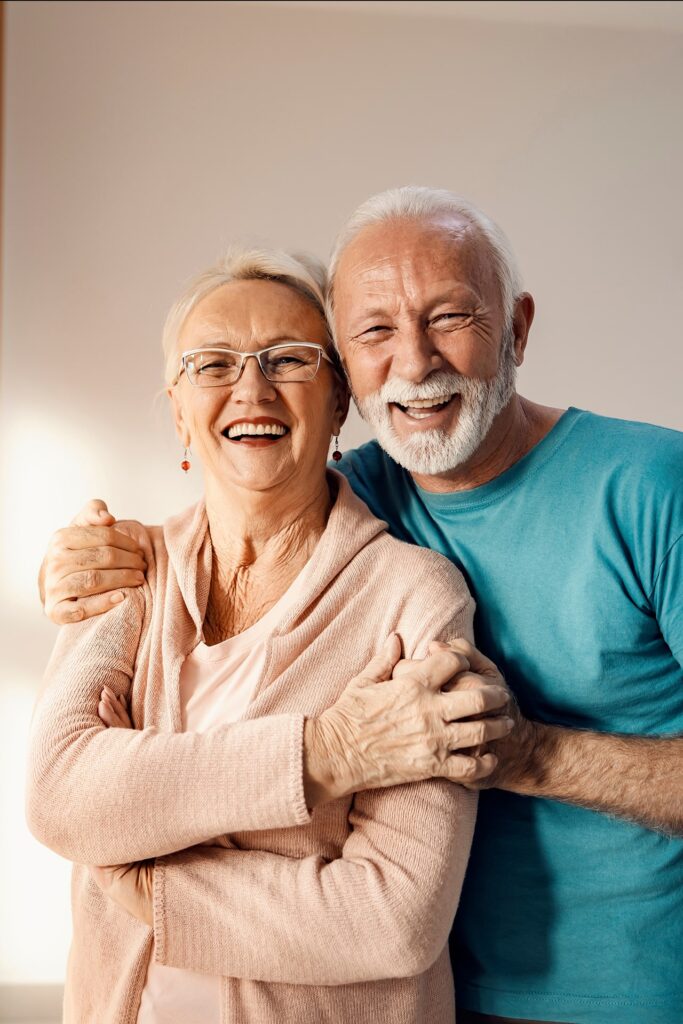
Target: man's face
<point x="420" y="327"/>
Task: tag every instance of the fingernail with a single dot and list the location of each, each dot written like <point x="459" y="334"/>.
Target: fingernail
<point x="117" y="597"/>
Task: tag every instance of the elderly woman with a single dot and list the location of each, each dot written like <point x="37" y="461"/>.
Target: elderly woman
<point x="239" y="903"/>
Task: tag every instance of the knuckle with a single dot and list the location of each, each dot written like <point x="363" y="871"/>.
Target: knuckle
<point x="66" y="616"/>
<point x="462" y="646"/>
<point x="58" y="542"/>
<point x="91" y="578"/>
<point x="478" y="701"/>
<point x="479" y="733"/>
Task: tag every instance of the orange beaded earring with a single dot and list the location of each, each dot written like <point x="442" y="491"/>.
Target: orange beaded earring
<point x="185" y="464"/>
<point x="336" y="454"/>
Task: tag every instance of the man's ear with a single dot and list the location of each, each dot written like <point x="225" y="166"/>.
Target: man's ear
<point x="181" y="427"/>
<point x="522" y="319"/>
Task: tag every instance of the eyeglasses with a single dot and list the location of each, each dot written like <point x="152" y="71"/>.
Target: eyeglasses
<point x="288" y="363"/>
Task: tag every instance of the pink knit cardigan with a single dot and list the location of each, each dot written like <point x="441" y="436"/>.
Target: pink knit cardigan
<point x="341" y="915"/>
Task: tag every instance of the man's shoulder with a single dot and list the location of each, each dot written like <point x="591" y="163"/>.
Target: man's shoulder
<point x="368" y="461"/>
<point x="636" y="435"/>
<point x="652" y="454"/>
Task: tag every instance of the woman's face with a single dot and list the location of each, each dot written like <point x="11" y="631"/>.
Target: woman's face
<point x="246" y="316"/>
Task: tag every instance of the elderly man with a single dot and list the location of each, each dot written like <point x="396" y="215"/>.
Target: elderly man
<point x="569" y="529"/>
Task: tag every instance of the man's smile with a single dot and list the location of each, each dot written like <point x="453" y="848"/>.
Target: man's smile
<point x="431" y="409"/>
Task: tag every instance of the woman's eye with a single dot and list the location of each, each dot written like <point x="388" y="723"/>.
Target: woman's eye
<point x="285" y="363"/>
<point x="216" y="364"/>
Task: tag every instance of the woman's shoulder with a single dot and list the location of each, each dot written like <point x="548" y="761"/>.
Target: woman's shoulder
<point x="156" y="540"/>
<point x="423" y="569"/>
<point x="411" y="567"/>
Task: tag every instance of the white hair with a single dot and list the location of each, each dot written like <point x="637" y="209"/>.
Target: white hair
<point x="416" y="202"/>
<point x="302" y="272"/>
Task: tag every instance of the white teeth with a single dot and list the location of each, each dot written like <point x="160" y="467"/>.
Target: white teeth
<point x="256" y="429"/>
<point x="416" y="415"/>
<point x="426" y="403"/>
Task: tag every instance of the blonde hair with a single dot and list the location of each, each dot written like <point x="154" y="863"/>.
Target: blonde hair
<point x="302" y="272"/>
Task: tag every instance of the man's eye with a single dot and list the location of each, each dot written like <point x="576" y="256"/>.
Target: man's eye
<point x="376" y="329"/>
<point x="450" y="321"/>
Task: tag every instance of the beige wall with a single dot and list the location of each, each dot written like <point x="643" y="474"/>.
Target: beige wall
<point x="141" y="137"/>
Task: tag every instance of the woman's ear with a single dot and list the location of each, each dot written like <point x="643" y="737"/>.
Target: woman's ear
<point x="342" y="398"/>
<point x="181" y="427"/>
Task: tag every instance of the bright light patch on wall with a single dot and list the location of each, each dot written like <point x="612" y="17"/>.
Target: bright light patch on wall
<point x="47" y="471"/>
<point x="34" y="882"/>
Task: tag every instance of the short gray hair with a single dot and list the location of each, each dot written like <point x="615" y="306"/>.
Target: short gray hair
<point x="416" y="202"/>
<point x="302" y="272"/>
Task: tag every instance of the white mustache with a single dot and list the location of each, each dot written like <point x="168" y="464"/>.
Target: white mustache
<point x="439" y="384"/>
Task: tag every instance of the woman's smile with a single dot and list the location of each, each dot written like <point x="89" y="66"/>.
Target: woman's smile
<point x="256" y="432"/>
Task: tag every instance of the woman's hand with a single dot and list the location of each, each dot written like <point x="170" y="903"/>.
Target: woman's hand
<point x="384" y="731"/>
<point x="113" y="710"/>
<point x="131" y="886"/>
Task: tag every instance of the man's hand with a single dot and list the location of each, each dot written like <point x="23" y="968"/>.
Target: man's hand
<point x="131" y="886"/>
<point x="515" y="751"/>
<point x="88" y="562"/>
<point x="384" y="732"/>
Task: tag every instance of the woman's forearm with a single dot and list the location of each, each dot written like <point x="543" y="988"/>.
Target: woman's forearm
<point x="383" y="909"/>
<point x="108" y="796"/>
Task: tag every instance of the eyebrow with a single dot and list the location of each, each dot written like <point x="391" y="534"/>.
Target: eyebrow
<point x="206" y="341"/>
<point x="452" y="295"/>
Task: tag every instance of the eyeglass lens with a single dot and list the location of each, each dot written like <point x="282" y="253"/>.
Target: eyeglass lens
<point x="282" y="363"/>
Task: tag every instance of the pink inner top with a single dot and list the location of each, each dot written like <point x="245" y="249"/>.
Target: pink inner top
<point x="216" y="686"/>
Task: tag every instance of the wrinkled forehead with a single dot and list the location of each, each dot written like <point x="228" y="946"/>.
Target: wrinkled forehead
<point x="414" y="260"/>
<point x="252" y="314"/>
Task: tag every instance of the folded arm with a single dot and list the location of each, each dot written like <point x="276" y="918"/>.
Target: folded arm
<point x="106" y="796"/>
<point x="383" y="909"/>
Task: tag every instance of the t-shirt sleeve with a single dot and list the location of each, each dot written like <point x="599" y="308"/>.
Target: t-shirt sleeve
<point x="667" y="598"/>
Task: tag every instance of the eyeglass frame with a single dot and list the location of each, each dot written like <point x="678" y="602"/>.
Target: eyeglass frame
<point x="257" y="356"/>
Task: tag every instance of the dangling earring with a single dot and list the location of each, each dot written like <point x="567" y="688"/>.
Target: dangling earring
<point x="336" y="454"/>
<point x="185" y="464"/>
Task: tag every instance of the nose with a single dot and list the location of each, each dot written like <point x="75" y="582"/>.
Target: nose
<point x="415" y="355"/>
<point x="252" y="388"/>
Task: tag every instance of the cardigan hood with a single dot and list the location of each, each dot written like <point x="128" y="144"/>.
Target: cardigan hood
<point x="349" y="529"/>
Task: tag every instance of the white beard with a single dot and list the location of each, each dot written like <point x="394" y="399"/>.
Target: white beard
<point x="435" y="451"/>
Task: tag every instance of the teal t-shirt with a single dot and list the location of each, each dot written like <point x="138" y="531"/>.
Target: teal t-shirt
<point x="575" y="558"/>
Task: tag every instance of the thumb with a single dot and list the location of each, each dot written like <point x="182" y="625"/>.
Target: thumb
<point x="379" y="669"/>
<point x="94" y="513"/>
<point x="478" y="662"/>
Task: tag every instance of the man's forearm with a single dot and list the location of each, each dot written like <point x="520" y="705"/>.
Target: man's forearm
<point x="633" y="777"/>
